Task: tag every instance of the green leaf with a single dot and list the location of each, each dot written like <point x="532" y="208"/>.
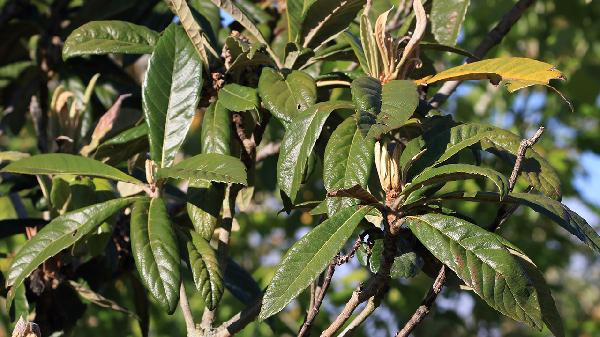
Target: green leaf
<point x="20" y="307"/>
<point x="481" y="260"/>
<point x="216" y="129"/>
<point x="356" y="46"/>
<point x="399" y="99"/>
<point x="205" y="269"/>
<point x="286" y="97"/>
<point x="170" y="93"/>
<point x="369" y="45"/>
<point x="298" y="143"/>
<point x="551" y="208"/>
<point x="240" y="283"/>
<point x="155" y="251"/>
<point x="452" y="172"/>
<point x="447" y="17"/>
<point x="550" y="314"/>
<point x="204" y="203"/>
<point x="325" y="19"/>
<point x="366" y="95"/>
<point x="60" y="233"/>
<point x="62" y="163"/>
<point x="424" y="45"/>
<point x="517" y="72"/>
<point x="347" y="162"/>
<point x="103" y="37"/>
<point x="207" y="167"/>
<point x="294" y="10"/>
<point x="238" y="98"/>
<point x="308" y="257"/>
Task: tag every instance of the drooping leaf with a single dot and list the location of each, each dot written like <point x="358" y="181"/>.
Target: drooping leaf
<point x="59" y="234"/>
<point x="216" y="129"/>
<point x="481" y="260"/>
<point x="399" y="99"/>
<point x="103" y="37"/>
<point x="286" y="97"/>
<point x="424" y="45"/>
<point x="452" y="172"/>
<point x="517" y="72"/>
<point x="207" y="167"/>
<point x="354" y="42"/>
<point x="240" y="283"/>
<point x="347" y="162"/>
<point x="366" y="95"/>
<point x="308" y="257"/>
<point x="230" y="7"/>
<point x="205" y="269"/>
<point x="99" y="300"/>
<point x="447" y="17"/>
<point x="62" y="163"/>
<point x="325" y="19"/>
<point x="441" y="145"/>
<point x="155" y="251"/>
<point x="170" y="93"/>
<point x="551" y="208"/>
<point x="204" y="207"/>
<point x="192" y="29"/>
<point x="298" y="143"/>
<point x="355" y="191"/>
<point x="238" y="98"/>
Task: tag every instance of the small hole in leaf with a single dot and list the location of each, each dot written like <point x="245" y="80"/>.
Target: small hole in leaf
<point x="298" y="106"/>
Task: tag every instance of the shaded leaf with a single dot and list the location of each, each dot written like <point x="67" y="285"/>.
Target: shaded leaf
<point x="481" y="260"/>
<point x="155" y="251"/>
<point x="298" y="143"/>
<point x="308" y="257"/>
<point x="62" y="163"/>
<point x="99" y="300"/>
<point x="325" y="19"/>
<point x="517" y="72"/>
<point x="170" y="93"/>
<point x="207" y="167"/>
<point x="59" y="234"/>
<point x="452" y="172"/>
<point x="366" y="95"/>
<point x="103" y="37"/>
<point x="551" y="208"/>
<point x="215" y="136"/>
<point x="204" y="203"/>
<point x="240" y="283"/>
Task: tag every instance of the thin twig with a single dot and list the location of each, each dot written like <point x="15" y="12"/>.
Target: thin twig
<point x="372" y="304"/>
<point x="505" y="211"/>
<point x="267" y="151"/>
<point x="426" y="304"/>
<point x="493" y="38"/>
<point x="187" y="313"/>
<point x="236" y="323"/>
<point x="314" y="310"/>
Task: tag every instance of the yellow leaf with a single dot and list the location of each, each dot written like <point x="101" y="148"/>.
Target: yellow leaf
<point x="517" y="72"/>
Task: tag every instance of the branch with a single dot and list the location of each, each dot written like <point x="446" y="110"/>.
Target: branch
<point x="267" y="151"/>
<point x="314" y="310"/>
<point x="187" y="313"/>
<point x="426" y="304"/>
<point x="507" y="210"/>
<point x="372" y="304"/>
<point x="236" y="323"/>
<point x="492" y="39"/>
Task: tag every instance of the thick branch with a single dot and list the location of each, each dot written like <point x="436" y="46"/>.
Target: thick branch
<point x="492" y="39"/>
<point x="236" y="323"/>
<point x="369" y="308"/>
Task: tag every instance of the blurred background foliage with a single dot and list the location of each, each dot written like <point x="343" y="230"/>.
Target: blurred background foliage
<point x="563" y="32"/>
